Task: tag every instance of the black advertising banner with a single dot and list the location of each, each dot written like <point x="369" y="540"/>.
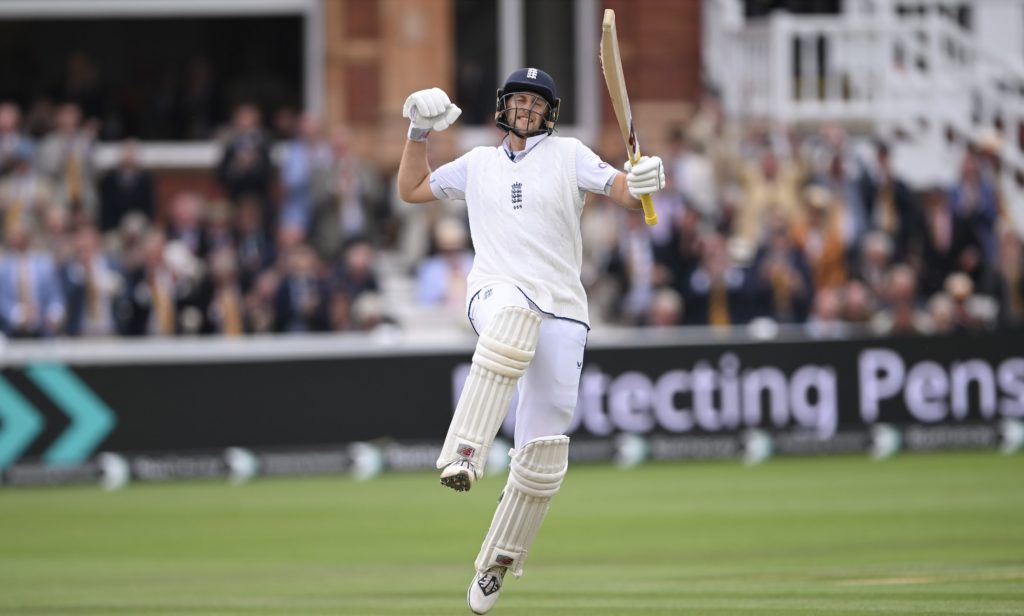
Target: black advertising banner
<point x="818" y="386"/>
<point x="693" y="400"/>
<point x="181" y="407"/>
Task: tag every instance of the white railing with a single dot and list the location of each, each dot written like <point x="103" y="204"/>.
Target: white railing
<point x="917" y="74"/>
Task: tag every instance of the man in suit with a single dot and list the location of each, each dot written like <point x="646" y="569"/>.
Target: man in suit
<point x="31" y="300"/>
<point x="90" y="284"/>
<point x="890" y="203"/>
<point x="128" y="188"/>
<point x="65" y="156"/>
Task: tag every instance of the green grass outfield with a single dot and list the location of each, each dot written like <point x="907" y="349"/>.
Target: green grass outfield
<point x="917" y="534"/>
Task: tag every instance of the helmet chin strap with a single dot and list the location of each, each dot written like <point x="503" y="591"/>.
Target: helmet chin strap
<point x="544" y="130"/>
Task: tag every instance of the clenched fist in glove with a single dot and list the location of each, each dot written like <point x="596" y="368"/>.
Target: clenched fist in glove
<point x="429" y="110"/>
<point x="646" y="176"/>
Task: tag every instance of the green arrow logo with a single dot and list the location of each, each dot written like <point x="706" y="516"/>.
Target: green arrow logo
<point x="20" y="423"/>
<point x="91" y="418"/>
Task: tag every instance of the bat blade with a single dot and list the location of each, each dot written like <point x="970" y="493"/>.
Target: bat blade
<point x="611" y="66"/>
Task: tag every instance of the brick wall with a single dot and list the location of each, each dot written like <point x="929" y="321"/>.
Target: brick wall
<point x="660" y="42"/>
<point x="660" y="45"/>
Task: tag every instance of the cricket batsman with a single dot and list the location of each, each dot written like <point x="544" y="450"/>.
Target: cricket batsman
<point x="525" y="299"/>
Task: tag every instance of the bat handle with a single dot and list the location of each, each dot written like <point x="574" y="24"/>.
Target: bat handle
<point x="650" y="216"/>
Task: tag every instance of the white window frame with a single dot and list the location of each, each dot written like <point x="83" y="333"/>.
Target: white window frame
<point x="512" y="55"/>
<point x="196" y="154"/>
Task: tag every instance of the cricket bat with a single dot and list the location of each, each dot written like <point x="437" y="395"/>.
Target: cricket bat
<point x="611" y="66"/>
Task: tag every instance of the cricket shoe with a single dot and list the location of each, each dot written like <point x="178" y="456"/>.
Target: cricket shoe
<point x="484" y="590"/>
<point x="460" y="475"/>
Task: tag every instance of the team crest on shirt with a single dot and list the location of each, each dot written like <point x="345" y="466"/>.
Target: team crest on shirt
<point x="517" y="196"/>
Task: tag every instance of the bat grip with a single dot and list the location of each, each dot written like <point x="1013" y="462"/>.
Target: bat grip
<point x="650" y="216"/>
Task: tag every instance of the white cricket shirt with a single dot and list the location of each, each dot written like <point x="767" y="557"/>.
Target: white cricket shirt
<point x="524" y="217"/>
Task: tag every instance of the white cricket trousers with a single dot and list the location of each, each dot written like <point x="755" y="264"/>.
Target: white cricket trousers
<point x="550" y="386"/>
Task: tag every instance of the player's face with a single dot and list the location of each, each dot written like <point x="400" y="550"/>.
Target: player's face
<point x="526" y="111"/>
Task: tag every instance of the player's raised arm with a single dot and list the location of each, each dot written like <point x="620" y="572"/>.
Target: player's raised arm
<point x="427" y="110"/>
<point x="647" y="176"/>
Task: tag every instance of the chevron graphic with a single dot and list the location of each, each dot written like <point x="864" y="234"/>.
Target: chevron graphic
<point x="91" y="418"/>
<point x="20" y="423"/>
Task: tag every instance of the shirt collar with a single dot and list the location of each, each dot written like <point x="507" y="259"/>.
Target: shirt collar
<point x="530" y="143"/>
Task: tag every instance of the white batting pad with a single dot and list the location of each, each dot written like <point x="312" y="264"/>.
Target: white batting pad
<point x="535" y="476"/>
<point x="503" y="353"/>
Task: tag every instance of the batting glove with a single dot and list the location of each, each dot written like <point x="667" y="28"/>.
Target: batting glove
<point x="429" y="110"/>
<point x="646" y="176"/>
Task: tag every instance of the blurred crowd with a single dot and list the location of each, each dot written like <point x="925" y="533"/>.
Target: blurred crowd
<point x="288" y="248"/>
<point x="760" y="224"/>
<point x="767" y="225"/>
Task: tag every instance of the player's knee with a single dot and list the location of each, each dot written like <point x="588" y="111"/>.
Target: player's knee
<point x="507" y="346"/>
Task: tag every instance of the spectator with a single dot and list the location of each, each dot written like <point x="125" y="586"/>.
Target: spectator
<point x="260" y="301"/>
<point x="369" y="314"/>
<point x="682" y="254"/>
<point x="340" y="311"/>
<point x="720" y="139"/>
<point x="826" y="322"/>
<point x="90" y="284"/>
<point x="219" y="230"/>
<point x="301" y="304"/>
<point x="31" y="300"/>
<point x="57" y="237"/>
<point x="65" y="156"/>
<point x="666" y="309"/>
<point x="858" y="303"/>
<point x="350" y="200"/>
<point x="947" y="246"/>
<point x="960" y="289"/>
<point x="783" y="277"/>
<point x="875" y="261"/>
<point x="771" y="190"/>
<point x="693" y="175"/>
<point x="973" y="201"/>
<point x="356" y="274"/>
<point x="849" y="205"/>
<point x="1011" y="277"/>
<point x="12" y="140"/>
<point x="187" y="277"/>
<point x="716" y="292"/>
<point x="186" y="224"/>
<point x="636" y="258"/>
<point x="941" y="314"/>
<point x="990" y="162"/>
<point x="441" y="278"/>
<point x="890" y="204"/>
<point x="150" y="305"/>
<point x="127" y="242"/>
<point x="305" y="158"/>
<point x="126" y="188"/>
<point x="820" y="236"/>
<point x="670" y="206"/>
<point x="221" y="300"/>
<point x="245" y="169"/>
<point x="255" y="250"/>
<point x="900" y="315"/>
<point x="25" y="194"/>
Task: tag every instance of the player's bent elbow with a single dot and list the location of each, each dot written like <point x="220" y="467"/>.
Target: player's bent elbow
<point x="420" y="193"/>
<point x="405" y="194"/>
